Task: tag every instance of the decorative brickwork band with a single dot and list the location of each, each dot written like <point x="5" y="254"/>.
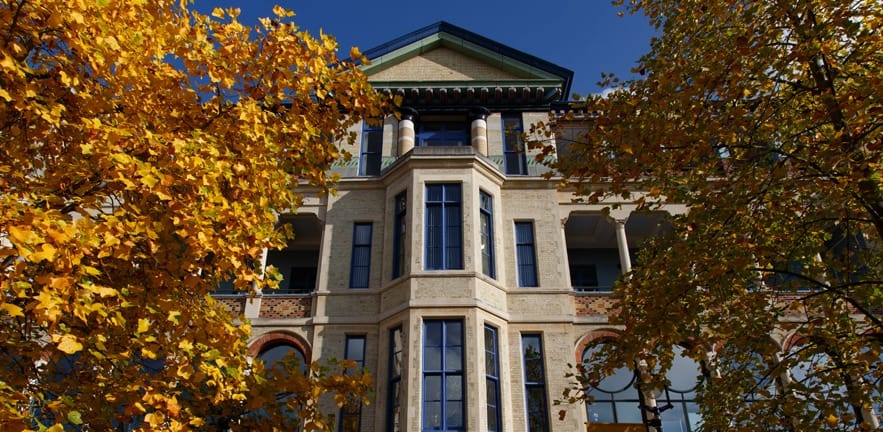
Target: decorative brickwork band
<point x="285" y="307"/>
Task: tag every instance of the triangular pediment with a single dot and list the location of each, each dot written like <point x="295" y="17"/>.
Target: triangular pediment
<point x="444" y="53"/>
<point x="445" y="64"/>
<point x="442" y="67"/>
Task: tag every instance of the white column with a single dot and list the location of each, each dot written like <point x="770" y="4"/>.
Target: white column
<point x="625" y="261"/>
<point x="479" y="130"/>
<point x="406" y="131"/>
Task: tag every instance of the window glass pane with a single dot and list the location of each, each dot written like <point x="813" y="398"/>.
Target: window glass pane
<point x="454" y="330"/>
<point x="685" y="373"/>
<point x="432" y="415"/>
<point x="454" y="387"/>
<point x="433" y="388"/>
<point x="361" y="256"/>
<point x="374" y="141"/>
<point x="433" y="358"/>
<point x="452" y="192"/>
<point x="491" y="389"/>
<point x="490" y="344"/>
<point x="433" y="331"/>
<point x="492" y="419"/>
<point x="454" y="358"/>
<point x="355" y="348"/>
<point x="434" y="192"/>
<point x="362" y="234"/>
<point x="490" y="365"/>
<point x="397" y="352"/>
<point x="536" y="409"/>
<point x="628" y="412"/>
<point x="454" y="414"/>
<point x="600" y="412"/>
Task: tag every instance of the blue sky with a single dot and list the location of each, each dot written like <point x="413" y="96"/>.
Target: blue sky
<point x="585" y="36"/>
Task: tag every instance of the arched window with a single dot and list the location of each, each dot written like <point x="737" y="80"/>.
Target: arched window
<point x="273" y="356"/>
<point x="677" y="402"/>
<point x="277" y="359"/>
<point x="615" y="397"/>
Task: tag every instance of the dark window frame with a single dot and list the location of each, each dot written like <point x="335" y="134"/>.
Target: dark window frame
<point x="492" y="377"/>
<point x="394" y="383"/>
<point x="514" y="154"/>
<point x="525" y="254"/>
<point x="486" y="227"/>
<point x="443" y="240"/>
<point x="448" y="374"/>
<point x="371" y="152"/>
<point x="400" y="210"/>
<point x="534" y="389"/>
<point x="361" y="247"/>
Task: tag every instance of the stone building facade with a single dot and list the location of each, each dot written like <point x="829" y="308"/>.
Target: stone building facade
<point x="459" y="276"/>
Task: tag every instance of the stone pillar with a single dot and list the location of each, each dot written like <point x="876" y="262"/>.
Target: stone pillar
<point x="479" y="129"/>
<point x="625" y="261"/>
<point x="406" y="130"/>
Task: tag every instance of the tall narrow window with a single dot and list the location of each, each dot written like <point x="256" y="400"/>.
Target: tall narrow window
<point x="487" y="234"/>
<point x="492" y="378"/>
<point x="534" y="383"/>
<point x="399" y="230"/>
<point x="444" y="232"/>
<point x="525" y="251"/>
<point x="443" y="391"/>
<point x="351" y="414"/>
<point x="514" y="159"/>
<point x="360" y="266"/>
<point x="372" y="147"/>
<point x="394" y="402"/>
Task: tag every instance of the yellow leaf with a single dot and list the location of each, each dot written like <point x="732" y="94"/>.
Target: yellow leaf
<point x="47" y="253"/>
<point x="76" y="16"/>
<point x="12" y="309"/>
<point x="69" y="344"/>
<point x="143" y="325"/>
<point x="20" y="235"/>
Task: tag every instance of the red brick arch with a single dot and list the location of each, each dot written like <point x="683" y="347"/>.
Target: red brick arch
<point x="592" y="337"/>
<point x="277" y="338"/>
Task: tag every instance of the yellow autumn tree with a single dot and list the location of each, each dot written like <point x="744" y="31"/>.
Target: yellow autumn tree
<point x="145" y="153"/>
<point x="764" y="118"/>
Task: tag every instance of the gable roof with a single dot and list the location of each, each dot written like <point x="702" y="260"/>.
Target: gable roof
<point x="506" y="67"/>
